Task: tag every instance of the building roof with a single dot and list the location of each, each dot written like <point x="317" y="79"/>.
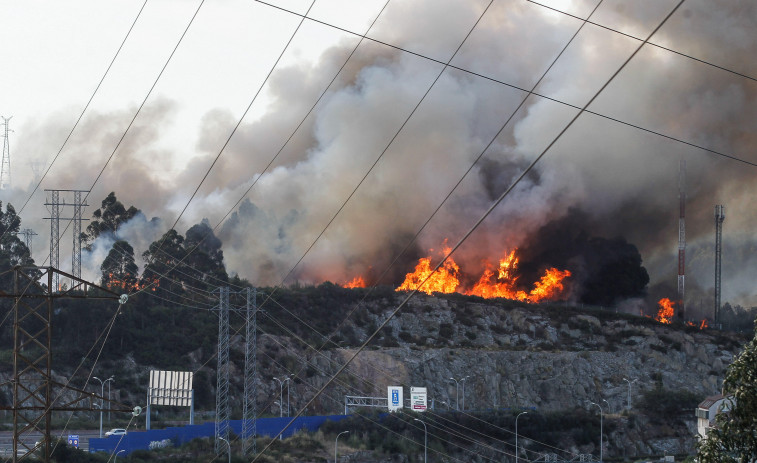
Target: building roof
<point x="710" y="401"/>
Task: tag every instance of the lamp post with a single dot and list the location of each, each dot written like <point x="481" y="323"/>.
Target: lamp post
<point x="457" y="393"/>
<point x="113" y="379"/>
<point x="227" y="443"/>
<point x="609" y="408"/>
<point x="115" y="459"/>
<point x="601" y="436"/>
<point x="463" y="381"/>
<point x="629" y="390"/>
<point x="516" y="435"/>
<point x="425" y="440"/>
<point x="102" y="393"/>
<point x="281" y="381"/>
<point x="288" y="385"/>
<point x="336" y="441"/>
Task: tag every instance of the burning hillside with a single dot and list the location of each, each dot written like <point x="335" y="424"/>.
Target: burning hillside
<point x="502" y="282"/>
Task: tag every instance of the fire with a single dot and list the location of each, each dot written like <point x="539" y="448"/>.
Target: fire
<point x="491" y="284"/>
<point x="666" y="312"/>
<point x="702" y="324"/>
<point x="135" y="285"/>
<point x="444" y="280"/>
<point x="549" y="287"/>
<point x="357" y="282"/>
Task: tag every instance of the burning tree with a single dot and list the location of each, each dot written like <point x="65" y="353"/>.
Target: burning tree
<point x="119" y="269"/>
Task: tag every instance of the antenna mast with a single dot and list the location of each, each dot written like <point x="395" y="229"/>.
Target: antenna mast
<point x="681" y="237"/>
<point x="719" y="218"/>
<point x="5" y="171"/>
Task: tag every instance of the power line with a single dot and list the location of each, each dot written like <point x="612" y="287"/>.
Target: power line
<point x="516" y="87"/>
<point x="484" y="216"/>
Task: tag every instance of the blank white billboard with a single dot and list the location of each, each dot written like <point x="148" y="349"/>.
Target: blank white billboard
<point x="170" y="388"/>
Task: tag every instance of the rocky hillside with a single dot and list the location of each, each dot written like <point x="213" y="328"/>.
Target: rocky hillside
<point x="552" y="359"/>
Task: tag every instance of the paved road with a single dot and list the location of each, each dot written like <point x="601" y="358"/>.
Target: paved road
<point x="6" y="439"/>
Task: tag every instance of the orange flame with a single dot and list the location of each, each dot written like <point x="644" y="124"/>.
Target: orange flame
<point x="666" y="312"/>
<point x="491" y="284"/>
<point x="357" y="282"/>
<point x="702" y="324"/>
<point x="550" y="287"/>
<point x="444" y="280"/>
<point x="136" y="285"/>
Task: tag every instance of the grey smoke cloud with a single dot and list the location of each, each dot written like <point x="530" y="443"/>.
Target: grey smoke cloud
<point x="625" y="180"/>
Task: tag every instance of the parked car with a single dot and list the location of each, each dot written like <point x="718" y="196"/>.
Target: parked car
<point x="116" y="432"/>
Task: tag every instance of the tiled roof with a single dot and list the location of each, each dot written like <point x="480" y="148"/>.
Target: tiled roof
<point x="710" y="401"/>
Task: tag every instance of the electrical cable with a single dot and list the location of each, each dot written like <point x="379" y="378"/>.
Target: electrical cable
<point x="485" y="215"/>
<point x="513" y="86"/>
<point x="86" y="106"/>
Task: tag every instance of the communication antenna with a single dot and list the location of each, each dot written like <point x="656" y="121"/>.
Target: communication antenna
<point x="681" y="237"/>
<point x="719" y="218"/>
<point x="5" y="171"/>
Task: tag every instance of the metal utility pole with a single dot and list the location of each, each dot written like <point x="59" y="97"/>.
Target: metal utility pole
<point x="719" y="218"/>
<point x="34" y="398"/>
<point x="55" y="205"/>
<point x="76" y="255"/>
<point x="250" y="406"/>
<point x="222" y="370"/>
<point x="681" y="237"/>
<point x="5" y="172"/>
<point x="28" y="234"/>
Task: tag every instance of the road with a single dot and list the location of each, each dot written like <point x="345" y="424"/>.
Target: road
<point x="6" y="439"/>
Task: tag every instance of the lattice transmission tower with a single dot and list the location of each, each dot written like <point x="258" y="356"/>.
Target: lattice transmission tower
<point x="5" y="171"/>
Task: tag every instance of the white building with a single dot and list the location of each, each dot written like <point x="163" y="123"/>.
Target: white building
<point x="707" y="410"/>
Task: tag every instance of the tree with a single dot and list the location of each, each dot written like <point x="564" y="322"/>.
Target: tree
<point x="734" y="437"/>
<point x="13" y="251"/>
<point x="204" y="255"/>
<point x="106" y="220"/>
<point x="164" y="258"/>
<point x="119" y="269"/>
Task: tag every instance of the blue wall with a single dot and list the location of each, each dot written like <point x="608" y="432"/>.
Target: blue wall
<point x="157" y="438"/>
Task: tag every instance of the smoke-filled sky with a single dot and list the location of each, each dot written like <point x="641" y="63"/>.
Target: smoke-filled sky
<point x="620" y="180"/>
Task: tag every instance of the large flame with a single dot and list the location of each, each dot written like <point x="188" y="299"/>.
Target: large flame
<point x="445" y="280"/>
<point x="550" y="287"/>
<point x="666" y="311"/>
<point x="491" y="284"/>
<point x="357" y="282"/>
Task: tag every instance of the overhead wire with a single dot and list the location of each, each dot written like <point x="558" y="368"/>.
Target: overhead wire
<point x="516" y="87"/>
<point x="86" y="106"/>
<point x="391" y="141"/>
<point x="485" y="215"/>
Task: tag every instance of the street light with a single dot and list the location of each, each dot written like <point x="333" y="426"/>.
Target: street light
<point x="281" y="394"/>
<point x="629" y="391"/>
<point x="335" y="444"/>
<point x="463" y="381"/>
<point x="457" y="393"/>
<point x="116" y="457"/>
<point x="113" y="379"/>
<point x="102" y="393"/>
<point x="601" y="436"/>
<point x="609" y="408"/>
<point x="227" y="443"/>
<point x="516" y="435"/>
<point x="425" y="440"/>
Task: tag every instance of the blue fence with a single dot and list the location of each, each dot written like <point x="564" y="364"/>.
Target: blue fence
<point x="175" y="436"/>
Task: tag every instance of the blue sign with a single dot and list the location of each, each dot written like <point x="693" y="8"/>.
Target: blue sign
<point x="73" y="440"/>
<point x="395" y="397"/>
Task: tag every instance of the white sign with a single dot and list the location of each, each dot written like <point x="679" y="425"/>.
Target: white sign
<point x="170" y="388"/>
<point x="418" y="399"/>
<point x="394" y="398"/>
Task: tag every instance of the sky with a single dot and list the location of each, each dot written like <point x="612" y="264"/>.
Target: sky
<point x="390" y="138"/>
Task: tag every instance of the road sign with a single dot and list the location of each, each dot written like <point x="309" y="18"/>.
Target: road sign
<point x="394" y="398"/>
<point x="73" y="440"/>
<point x="418" y="398"/>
